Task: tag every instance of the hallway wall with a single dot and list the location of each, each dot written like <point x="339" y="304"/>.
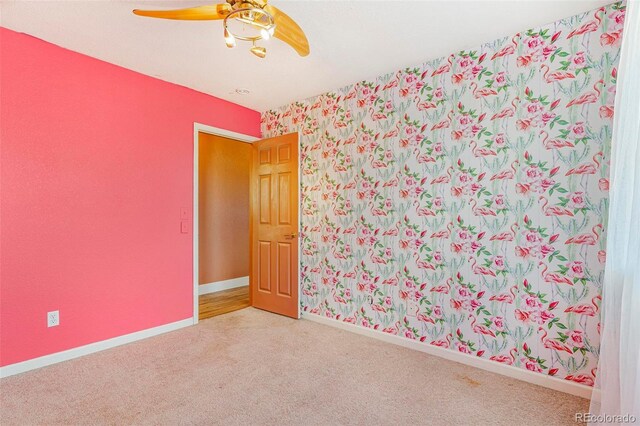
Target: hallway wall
<point x="224" y="208"/>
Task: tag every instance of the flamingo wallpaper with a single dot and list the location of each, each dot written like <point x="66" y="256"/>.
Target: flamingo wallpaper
<point x="463" y="202"/>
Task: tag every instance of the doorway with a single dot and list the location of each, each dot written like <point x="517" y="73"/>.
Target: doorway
<point x="231" y="269"/>
<point x="220" y="237"/>
<point x="224" y="173"/>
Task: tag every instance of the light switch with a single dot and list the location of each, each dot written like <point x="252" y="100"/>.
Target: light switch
<point x="184" y="227"/>
<point x="184" y="214"/>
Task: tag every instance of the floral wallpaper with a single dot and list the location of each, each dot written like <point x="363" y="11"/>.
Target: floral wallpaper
<point x="463" y="202"/>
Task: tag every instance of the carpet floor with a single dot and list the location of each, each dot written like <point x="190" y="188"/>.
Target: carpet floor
<point x="251" y="368"/>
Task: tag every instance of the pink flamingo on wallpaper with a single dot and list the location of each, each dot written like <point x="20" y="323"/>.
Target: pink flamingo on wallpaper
<point x="446" y="233"/>
<point x="556" y="75"/>
<point x="423" y="211"/>
<point x="393" y="232"/>
<point x="377" y="259"/>
<point x="550" y="343"/>
<point x="553" y="210"/>
<point x="351" y="274"/>
<point x="587" y="98"/>
<point x="583" y="378"/>
<point x="505" y="297"/>
<point x="552" y="277"/>
<point x="424" y="158"/>
<point x="378" y="308"/>
<point x="424" y="105"/>
<point x="443" y="343"/>
<point x="586" y="239"/>
<point x="393" y="281"/>
<point x="338" y="299"/>
<point x="338" y="255"/>
<point x="504" y="359"/>
<point x="586" y="168"/>
<point x="443" y="288"/>
<point x="338" y="167"/>
<point x="483" y="92"/>
<point x="585" y="308"/>
<point x="479" y="269"/>
<point x="377" y="211"/>
<point x="589" y="27"/>
<point x="507" y="235"/>
<point x="508" y="111"/>
<point x="377" y="115"/>
<point x="509" y="49"/>
<point x="443" y="178"/>
<point x="443" y="68"/>
<point x="506" y="174"/>
<point x="554" y="143"/>
<point x="393" y="329"/>
<point x="422" y="264"/>
<point x="444" y="123"/>
<point x="423" y="317"/>
<point x="481" y="152"/>
<point x="480" y="329"/>
<point x="481" y="211"/>
<point x="378" y="164"/>
<point x="391" y="183"/>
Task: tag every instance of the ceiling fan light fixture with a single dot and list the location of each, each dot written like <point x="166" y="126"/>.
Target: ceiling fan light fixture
<point x="259" y="51"/>
<point x="267" y="32"/>
<point x="229" y="39"/>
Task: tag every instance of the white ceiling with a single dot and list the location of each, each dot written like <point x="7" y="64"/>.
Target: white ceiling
<point x="350" y="40"/>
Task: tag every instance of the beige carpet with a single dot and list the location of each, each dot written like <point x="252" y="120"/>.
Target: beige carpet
<point x="251" y="367"/>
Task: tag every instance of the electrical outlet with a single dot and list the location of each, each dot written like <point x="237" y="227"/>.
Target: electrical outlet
<point x="53" y="318"/>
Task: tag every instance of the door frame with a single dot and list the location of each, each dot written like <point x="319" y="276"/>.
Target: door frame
<point x="197" y="129"/>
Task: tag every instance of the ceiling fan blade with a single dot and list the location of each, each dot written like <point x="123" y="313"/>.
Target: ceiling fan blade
<point x="199" y="13"/>
<point x="288" y="31"/>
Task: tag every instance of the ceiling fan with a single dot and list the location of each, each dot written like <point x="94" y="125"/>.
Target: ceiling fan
<point x="246" y="20"/>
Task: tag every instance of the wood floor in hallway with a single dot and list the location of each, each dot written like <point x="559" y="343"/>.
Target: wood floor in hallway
<point x="223" y="302"/>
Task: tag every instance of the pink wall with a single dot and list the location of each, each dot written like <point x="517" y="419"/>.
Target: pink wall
<point x="97" y="162"/>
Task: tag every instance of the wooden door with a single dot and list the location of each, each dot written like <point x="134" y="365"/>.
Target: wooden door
<point x="274" y="225"/>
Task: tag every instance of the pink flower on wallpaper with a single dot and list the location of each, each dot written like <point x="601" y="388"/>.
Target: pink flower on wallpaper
<point x="575" y="269"/>
<point x="617" y="18"/>
<point x="578" y="130"/>
<point x="576" y="338"/>
<point x="498" y="323"/>
<point x="437" y="312"/>
<point x="498" y="263"/>
<point x="500" y="79"/>
<point x="578" y="60"/>
<point x="500" y="140"/>
<point x="577" y="200"/>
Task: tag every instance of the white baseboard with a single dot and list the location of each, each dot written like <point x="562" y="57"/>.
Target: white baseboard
<point x="550" y="382"/>
<point x="43" y="361"/>
<point x="223" y="285"/>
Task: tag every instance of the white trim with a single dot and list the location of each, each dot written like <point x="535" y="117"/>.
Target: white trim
<point x="217" y="286"/>
<point x="203" y="128"/>
<point x="546" y="381"/>
<point x="43" y="361"/>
